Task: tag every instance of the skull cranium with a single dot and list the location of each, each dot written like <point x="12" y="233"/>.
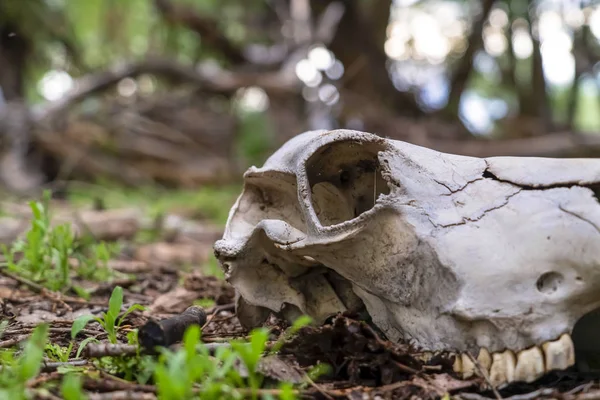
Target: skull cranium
<point x="495" y="257"/>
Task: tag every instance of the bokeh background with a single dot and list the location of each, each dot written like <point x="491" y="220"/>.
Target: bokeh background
<point x="189" y="93"/>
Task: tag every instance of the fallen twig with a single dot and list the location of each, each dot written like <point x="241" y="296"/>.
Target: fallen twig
<point x="51" y="366"/>
<point x="594" y="395"/>
<point x="25" y="330"/>
<point x="54" y="296"/>
<point x="224" y="307"/>
<point x="37" y="288"/>
<point x="383" y="344"/>
<point x="11" y="342"/>
<point x="43" y="379"/>
<point x="97" y="350"/>
<point x="110" y="383"/>
<point x="42" y="394"/>
<point x="317" y="387"/>
<point x="485" y="375"/>
<point x="581" y="388"/>
<point x="121" y="395"/>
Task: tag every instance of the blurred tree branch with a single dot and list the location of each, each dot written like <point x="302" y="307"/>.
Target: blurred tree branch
<point x="557" y="144"/>
<point x="561" y="144"/>
<point x="204" y="26"/>
<point x="215" y="80"/>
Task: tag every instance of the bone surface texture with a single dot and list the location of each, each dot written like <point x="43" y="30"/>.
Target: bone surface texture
<point x="494" y="259"/>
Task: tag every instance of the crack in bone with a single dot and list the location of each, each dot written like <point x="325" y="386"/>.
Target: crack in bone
<point x="487" y="173"/>
<point x="466" y="220"/>
<point x="561" y="208"/>
<point x="453" y="191"/>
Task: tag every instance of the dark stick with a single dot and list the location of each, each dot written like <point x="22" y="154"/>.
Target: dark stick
<point x="169" y="331"/>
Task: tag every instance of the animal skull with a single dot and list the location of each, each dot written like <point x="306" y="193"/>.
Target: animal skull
<point x="495" y="257"/>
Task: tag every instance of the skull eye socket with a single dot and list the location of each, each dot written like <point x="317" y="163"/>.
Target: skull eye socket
<point x="346" y="180"/>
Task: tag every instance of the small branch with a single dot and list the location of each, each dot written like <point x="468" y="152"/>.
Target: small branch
<point x="43" y="394"/>
<point x="484" y="374"/>
<point x="97" y="350"/>
<point x="121" y="395"/>
<point x="111" y="383"/>
<point x="52" y="366"/>
<point x="300" y="14"/>
<point x="35" y="287"/>
<point x="317" y="387"/>
<point x="558" y="144"/>
<point x="223" y="307"/>
<point x="328" y="22"/>
<point x="204" y="26"/>
<point x="12" y="342"/>
<point x="221" y="81"/>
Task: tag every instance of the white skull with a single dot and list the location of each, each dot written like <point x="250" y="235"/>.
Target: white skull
<point x="495" y="257"/>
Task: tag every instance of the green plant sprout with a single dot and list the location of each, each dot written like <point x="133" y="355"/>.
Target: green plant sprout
<point x="191" y="373"/>
<point x="71" y="387"/>
<point x="301" y="322"/>
<point x="93" y="265"/>
<point x="45" y="250"/>
<point x="15" y="372"/>
<point x="57" y="352"/>
<point x="109" y="320"/>
<point x="44" y="254"/>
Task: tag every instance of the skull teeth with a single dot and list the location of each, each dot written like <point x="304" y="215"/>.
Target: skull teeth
<point x="484" y="359"/>
<point x="503" y="367"/>
<point x="560" y="354"/>
<point x="468" y="366"/>
<point x="530" y="365"/>
<point x="526" y="366"/>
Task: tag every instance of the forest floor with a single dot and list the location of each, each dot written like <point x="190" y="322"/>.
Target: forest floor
<point x="84" y="293"/>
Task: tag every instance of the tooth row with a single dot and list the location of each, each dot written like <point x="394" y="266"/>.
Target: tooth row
<point x="526" y="366"/>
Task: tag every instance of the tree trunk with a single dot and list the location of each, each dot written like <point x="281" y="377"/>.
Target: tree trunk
<point x="538" y="81"/>
<point x="359" y="44"/>
<point x="13" y="55"/>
